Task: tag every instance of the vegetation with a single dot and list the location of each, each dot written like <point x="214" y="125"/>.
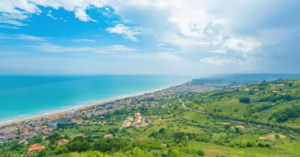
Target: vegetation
<point x="224" y="130"/>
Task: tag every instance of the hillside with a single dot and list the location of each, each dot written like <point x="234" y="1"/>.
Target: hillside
<point x="170" y="129"/>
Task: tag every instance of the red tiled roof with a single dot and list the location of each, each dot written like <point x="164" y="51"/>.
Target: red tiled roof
<point x="35" y="148"/>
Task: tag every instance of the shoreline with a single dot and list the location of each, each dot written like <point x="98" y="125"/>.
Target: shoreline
<point x="56" y="112"/>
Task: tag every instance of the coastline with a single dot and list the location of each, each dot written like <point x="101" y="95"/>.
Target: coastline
<point x="56" y="112"/>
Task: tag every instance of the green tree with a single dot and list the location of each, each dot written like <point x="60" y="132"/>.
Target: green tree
<point x="277" y="136"/>
<point x="200" y="152"/>
<point x="161" y="130"/>
<point x="43" y="153"/>
<point x="227" y="126"/>
<point x="52" y="141"/>
<point x="244" y="100"/>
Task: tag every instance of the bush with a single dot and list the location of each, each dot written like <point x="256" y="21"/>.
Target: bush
<point x="161" y="130"/>
<point x="200" y="152"/>
<point x="245" y="100"/>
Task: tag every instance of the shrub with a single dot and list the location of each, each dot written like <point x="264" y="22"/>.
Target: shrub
<point x="200" y="152"/>
<point x="245" y="100"/>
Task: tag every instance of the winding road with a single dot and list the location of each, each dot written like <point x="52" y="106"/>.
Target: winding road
<point x="259" y="126"/>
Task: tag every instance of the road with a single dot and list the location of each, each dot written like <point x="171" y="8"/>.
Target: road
<point x="190" y="108"/>
<point x="246" y="123"/>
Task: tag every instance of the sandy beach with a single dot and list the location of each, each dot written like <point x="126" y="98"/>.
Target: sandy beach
<point x="79" y="108"/>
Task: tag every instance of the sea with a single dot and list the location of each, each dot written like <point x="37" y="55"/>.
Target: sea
<point x="24" y="97"/>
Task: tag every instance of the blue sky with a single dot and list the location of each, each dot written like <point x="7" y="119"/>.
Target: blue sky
<point x="185" y="37"/>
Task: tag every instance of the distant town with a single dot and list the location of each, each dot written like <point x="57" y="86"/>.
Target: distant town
<point x="45" y="125"/>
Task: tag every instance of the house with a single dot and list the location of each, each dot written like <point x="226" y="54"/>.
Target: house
<point x="129" y="118"/>
<point x="88" y="115"/>
<point x="47" y="130"/>
<point x="109" y="136"/>
<point x="53" y="124"/>
<point x="149" y="122"/>
<point x="80" y="135"/>
<point x="44" y="137"/>
<point x="126" y="124"/>
<point x="6" y="130"/>
<point x="23" y="141"/>
<point x="73" y="111"/>
<point x="111" y="110"/>
<point x="35" y="148"/>
<point x="87" y="121"/>
<point x="164" y="106"/>
<point x="10" y="136"/>
<point x="24" y="123"/>
<point x="246" y="89"/>
<point x="78" y="121"/>
<point x="37" y="129"/>
<point x="29" y="134"/>
<point x="62" y="142"/>
<point x="137" y="114"/>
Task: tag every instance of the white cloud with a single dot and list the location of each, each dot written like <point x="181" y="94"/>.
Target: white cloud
<point x="125" y="31"/>
<point x="12" y="22"/>
<point x="46" y="47"/>
<point x="220" y="61"/>
<point x="22" y="37"/>
<point x="241" y="45"/>
<point x="159" y="56"/>
<point x="11" y="27"/>
<point x="218" y="51"/>
<point x="84" y="40"/>
<point x="21" y="8"/>
<point x="50" y="15"/>
<point x="161" y="44"/>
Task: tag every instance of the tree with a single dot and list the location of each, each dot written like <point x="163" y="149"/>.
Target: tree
<point x="16" y="147"/>
<point x="200" y="152"/>
<point x="78" y="144"/>
<point x="245" y="100"/>
<point x="277" y="136"/>
<point x="43" y="153"/>
<point x="290" y="84"/>
<point x="52" y="141"/>
<point x="161" y="130"/>
<point x="282" y="118"/>
<point x="227" y="126"/>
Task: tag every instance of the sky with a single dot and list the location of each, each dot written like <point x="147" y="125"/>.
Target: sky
<point x="151" y="37"/>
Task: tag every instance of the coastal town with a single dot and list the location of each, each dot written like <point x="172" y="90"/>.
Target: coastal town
<point x="46" y="125"/>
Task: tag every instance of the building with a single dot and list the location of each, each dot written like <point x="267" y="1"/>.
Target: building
<point x="10" y="137"/>
<point x="23" y="141"/>
<point x="53" y="124"/>
<point x="246" y="89"/>
<point x="164" y="106"/>
<point x="73" y="111"/>
<point x="35" y="148"/>
<point x="62" y="142"/>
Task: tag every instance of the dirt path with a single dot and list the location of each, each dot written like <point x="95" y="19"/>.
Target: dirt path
<point x="271" y="137"/>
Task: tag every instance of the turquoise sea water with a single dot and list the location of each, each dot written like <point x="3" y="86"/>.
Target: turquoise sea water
<point x="23" y="97"/>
